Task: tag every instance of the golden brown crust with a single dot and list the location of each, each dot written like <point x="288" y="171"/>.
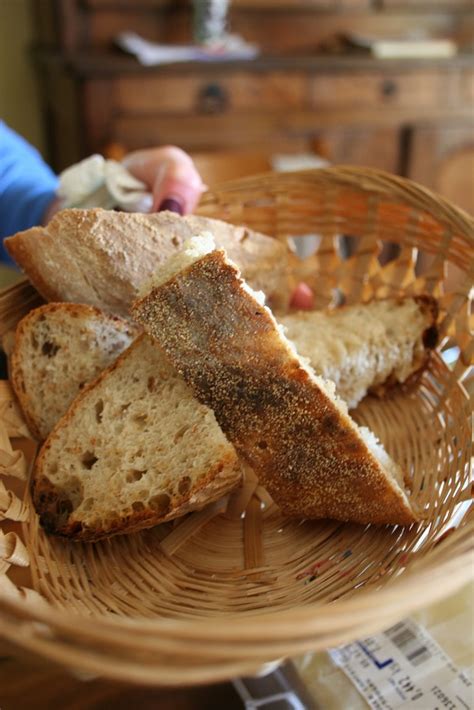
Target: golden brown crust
<point x="54" y="507"/>
<point x="226" y="346"/>
<point x="23" y="330"/>
<point x="25" y="248"/>
<point x="91" y="256"/>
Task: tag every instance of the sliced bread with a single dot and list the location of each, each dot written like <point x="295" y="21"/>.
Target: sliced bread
<point x="58" y="348"/>
<point x="101" y="257"/>
<point x="366" y="347"/>
<point x="284" y="420"/>
<point x="135" y="449"/>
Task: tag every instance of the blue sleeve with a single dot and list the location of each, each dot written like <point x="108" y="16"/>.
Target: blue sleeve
<point x="27" y="186"/>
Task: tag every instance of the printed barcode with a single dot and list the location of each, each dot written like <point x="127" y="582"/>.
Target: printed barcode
<point x="419" y="655"/>
<point x="403" y="638"/>
<point x="407" y="641"/>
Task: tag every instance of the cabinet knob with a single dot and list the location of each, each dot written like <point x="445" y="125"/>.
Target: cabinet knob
<point x="212" y="98"/>
<point x="388" y="87"/>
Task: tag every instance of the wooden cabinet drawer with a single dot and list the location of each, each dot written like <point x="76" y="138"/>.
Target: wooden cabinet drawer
<point x="374" y="146"/>
<point x="210" y="93"/>
<point x="216" y="132"/>
<point x="384" y="89"/>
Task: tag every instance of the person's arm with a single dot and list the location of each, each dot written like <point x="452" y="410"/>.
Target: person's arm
<point x="27" y="186"/>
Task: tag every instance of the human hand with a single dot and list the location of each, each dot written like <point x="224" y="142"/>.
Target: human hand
<point x="176" y="185"/>
<point x="171" y="176"/>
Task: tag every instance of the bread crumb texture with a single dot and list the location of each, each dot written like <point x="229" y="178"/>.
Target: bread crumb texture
<point x="58" y="349"/>
<point x="135" y="449"/>
<point x="284" y="422"/>
<point x="365" y="346"/>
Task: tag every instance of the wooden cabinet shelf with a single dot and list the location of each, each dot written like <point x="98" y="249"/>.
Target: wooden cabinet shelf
<point x="383" y="113"/>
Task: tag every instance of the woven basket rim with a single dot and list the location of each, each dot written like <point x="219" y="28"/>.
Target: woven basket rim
<point x="370" y="180"/>
<point x="457" y="571"/>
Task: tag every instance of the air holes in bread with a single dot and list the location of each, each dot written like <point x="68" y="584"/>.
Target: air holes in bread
<point x="184" y="485"/>
<point x="140" y="419"/>
<point x="138" y="506"/>
<point x="89" y="459"/>
<point x="135" y="475"/>
<point x="262" y="444"/>
<point x="99" y="409"/>
<point x="49" y="349"/>
<point x="160" y="503"/>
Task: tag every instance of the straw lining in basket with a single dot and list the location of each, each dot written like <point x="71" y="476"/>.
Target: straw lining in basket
<point x="139" y="607"/>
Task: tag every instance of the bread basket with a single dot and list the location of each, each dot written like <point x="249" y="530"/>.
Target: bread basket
<point x="222" y="592"/>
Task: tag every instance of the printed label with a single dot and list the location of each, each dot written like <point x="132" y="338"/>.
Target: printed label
<point x="404" y="667"/>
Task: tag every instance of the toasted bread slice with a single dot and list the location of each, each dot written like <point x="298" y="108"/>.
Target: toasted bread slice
<point x="366" y="347"/>
<point x="101" y="257"/>
<point x="135" y="449"/>
<point x="58" y="348"/>
<point x="285" y="421"/>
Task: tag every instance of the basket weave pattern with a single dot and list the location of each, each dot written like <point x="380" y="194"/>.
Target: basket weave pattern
<point x="139" y="607"/>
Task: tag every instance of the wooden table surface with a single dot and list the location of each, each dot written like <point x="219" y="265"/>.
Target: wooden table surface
<point x="30" y="684"/>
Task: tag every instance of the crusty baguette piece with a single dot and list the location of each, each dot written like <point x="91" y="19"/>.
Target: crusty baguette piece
<point x="62" y="346"/>
<point x="134" y="449"/>
<point x="101" y="257"/>
<point x="58" y="348"/>
<point x="284" y="421"/>
<point x="366" y="347"/>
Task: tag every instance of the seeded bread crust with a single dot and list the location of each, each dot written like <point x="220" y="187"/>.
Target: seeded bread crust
<point x="101" y="257"/>
<point x="40" y="367"/>
<point x="283" y="422"/>
<point x="59" y="486"/>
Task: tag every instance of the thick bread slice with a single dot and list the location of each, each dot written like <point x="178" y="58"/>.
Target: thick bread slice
<point x="59" y="348"/>
<point x="284" y="421"/>
<point x="366" y="347"/>
<point x="62" y="346"/>
<point x="135" y="449"/>
<point x="101" y="257"/>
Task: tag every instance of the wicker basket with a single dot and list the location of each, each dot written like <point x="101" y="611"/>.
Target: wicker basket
<point x="225" y="590"/>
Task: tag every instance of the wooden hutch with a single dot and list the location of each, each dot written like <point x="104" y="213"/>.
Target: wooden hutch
<point x="413" y="117"/>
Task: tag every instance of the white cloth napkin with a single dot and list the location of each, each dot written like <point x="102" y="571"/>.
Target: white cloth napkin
<point x="97" y="182"/>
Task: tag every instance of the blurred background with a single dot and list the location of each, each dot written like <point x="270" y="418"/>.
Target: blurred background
<point x="384" y="83"/>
